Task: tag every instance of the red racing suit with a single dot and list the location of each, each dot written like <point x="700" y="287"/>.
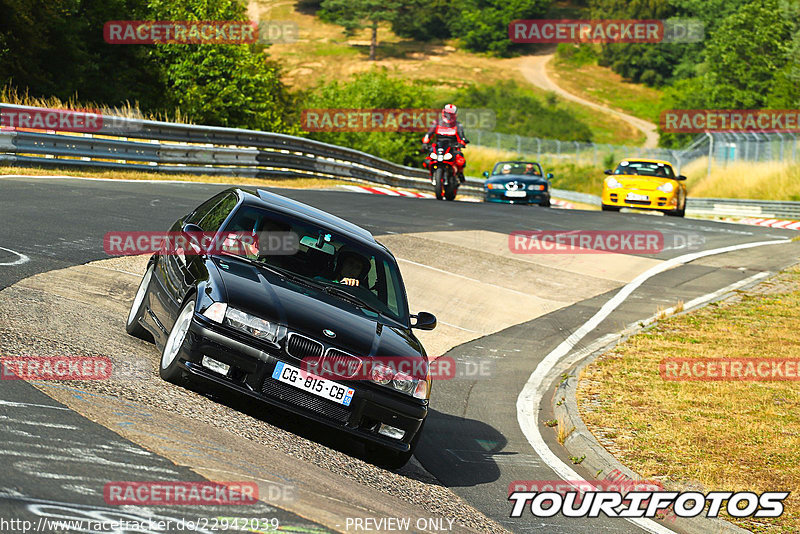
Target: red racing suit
<point x="453" y="131"/>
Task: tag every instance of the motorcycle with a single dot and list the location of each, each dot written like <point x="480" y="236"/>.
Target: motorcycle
<point x="442" y="166"/>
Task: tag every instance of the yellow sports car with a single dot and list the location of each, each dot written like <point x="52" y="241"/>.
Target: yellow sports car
<point x="645" y="184"/>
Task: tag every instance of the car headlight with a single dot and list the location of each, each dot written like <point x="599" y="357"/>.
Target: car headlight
<point x="448" y="156"/>
<point x="252" y="325"/>
<point x="216" y="312"/>
<point x="402" y="382"/>
<point x="613" y="183"/>
<point x="666" y="187"/>
<point x="534" y="187"/>
<point x="495" y="186"/>
<point x="433" y="155"/>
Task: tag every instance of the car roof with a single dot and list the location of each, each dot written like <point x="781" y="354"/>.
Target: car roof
<point x="279" y="203"/>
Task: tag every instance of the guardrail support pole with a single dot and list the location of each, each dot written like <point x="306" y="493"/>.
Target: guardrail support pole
<point x="710" y="152"/>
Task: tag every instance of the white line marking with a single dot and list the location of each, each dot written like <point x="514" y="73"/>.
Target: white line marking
<point x="464" y="277"/>
<point x="118" y="270"/>
<point x="531" y="395"/>
<point x="460" y="328"/>
<point x="22" y="257"/>
<point x="30" y="405"/>
<point x="38" y="423"/>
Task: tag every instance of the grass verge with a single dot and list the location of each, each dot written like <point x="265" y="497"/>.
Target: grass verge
<point x="295" y="183"/>
<point x="604" y="86"/>
<point x="758" y="180"/>
<point x="718" y="436"/>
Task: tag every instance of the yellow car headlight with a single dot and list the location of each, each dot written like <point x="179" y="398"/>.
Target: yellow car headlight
<point x="613" y="183"/>
<point x="666" y="187"/>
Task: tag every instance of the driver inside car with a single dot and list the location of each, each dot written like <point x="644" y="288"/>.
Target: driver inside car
<point x="530" y="168"/>
<point x="351" y="268"/>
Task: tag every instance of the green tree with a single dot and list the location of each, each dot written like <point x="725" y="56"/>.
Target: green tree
<point x="482" y="25"/>
<point x="423" y="20"/>
<point x="358" y="14"/>
<point x="56" y="48"/>
<point x="222" y="85"/>
<point x="746" y="52"/>
<point x="374" y="89"/>
<point x="519" y="112"/>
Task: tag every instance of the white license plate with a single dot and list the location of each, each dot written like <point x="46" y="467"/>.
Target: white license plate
<point x="634" y="196"/>
<point x="327" y="389"/>
<point x="516" y="194"/>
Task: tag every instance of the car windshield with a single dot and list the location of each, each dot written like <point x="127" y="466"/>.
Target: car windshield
<point x="315" y="255"/>
<point x="518" y="167"/>
<point x="645" y="168"/>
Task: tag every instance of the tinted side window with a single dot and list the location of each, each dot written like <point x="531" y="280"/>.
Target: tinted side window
<point x="202" y="210"/>
<point x="217" y="215"/>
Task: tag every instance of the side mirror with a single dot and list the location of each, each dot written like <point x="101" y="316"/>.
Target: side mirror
<point x="549" y="175"/>
<point x="608" y="171"/>
<point x="193" y="235"/>
<point x="424" y="321"/>
<point x="680" y="177"/>
<point x="485" y="174"/>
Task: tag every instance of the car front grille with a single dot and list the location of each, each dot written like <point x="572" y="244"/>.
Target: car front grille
<point x="343" y="364"/>
<point x="301" y="347"/>
<point x="638" y="202"/>
<point x="302" y="399"/>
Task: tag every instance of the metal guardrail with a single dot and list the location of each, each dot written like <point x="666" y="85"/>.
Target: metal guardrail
<point x="155" y="146"/>
<point x="730" y="207"/>
<point x="719" y="207"/>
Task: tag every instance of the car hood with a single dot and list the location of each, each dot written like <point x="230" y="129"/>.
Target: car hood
<point x="521" y="178"/>
<point x="647" y="183"/>
<point x="309" y="311"/>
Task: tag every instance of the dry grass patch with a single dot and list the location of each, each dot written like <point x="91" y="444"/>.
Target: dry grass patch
<point x="297" y="183"/>
<point x="771" y="180"/>
<point x="734" y="436"/>
<point x="604" y="86"/>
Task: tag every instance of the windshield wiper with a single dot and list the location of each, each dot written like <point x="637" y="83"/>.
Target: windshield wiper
<point x="346" y="295"/>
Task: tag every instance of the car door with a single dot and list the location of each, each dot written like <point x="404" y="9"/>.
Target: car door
<point x="177" y="270"/>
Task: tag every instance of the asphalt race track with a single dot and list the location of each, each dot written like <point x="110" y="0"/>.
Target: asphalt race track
<point x="473" y="443"/>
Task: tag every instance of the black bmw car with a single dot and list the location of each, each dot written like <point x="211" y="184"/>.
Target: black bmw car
<point x="249" y="314"/>
<point x="517" y="182"/>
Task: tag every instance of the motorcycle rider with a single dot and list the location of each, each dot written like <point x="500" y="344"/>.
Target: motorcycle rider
<point x="447" y="126"/>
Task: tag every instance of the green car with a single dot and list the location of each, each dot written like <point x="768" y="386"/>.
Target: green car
<point x="518" y="182"/>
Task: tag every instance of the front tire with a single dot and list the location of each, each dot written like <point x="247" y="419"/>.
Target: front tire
<point x="678" y="213"/>
<point x="169" y="368"/>
<point x="438" y="176"/>
<point x="451" y="189"/>
<point x="132" y="325"/>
